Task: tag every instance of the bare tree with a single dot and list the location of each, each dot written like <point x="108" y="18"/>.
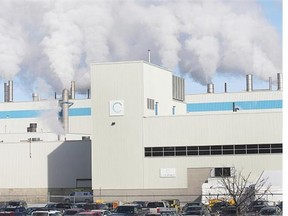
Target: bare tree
<point x="239" y="188"/>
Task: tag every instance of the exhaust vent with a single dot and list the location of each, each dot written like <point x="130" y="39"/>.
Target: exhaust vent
<point x="210" y="88"/>
<point x="249" y="82"/>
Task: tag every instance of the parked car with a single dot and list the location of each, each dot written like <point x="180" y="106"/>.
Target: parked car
<point x="271" y="210"/>
<point x="73" y="211"/>
<point x="196" y="210"/>
<point x="228" y="211"/>
<point x="17" y="203"/>
<point x="88" y="213"/>
<point x="191" y="204"/>
<point x="13" y="210"/>
<point x="102" y="212"/>
<point x="79" y="196"/>
<point x="47" y="213"/>
<point x="130" y="210"/>
<point x="30" y="210"/>
<point x="141" y="203"/>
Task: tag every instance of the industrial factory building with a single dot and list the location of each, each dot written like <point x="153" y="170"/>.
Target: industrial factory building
<point x="138" y="136"/>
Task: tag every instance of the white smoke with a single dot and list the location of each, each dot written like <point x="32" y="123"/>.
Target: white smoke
<point x="57" y="40"/>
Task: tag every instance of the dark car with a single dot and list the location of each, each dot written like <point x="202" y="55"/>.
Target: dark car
<point x="17" y="203"/>
<point x="191" y="204"/>
<point x="196" y="210"/>
<point x="228" y="211"/>
<point x="271" y="210"/>
<point x="13" y="210"/>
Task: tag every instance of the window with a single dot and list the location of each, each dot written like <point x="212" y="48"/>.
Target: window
<point x="169" y="151"/>
<point x="222" y="172"/>
<point x="214" y="150"/>
<point x="148" y="152"/>
<point x="204" y="150"/>
<point x="181" y="151"/>
<point x="240" y="149"/>
<point x="192" y="150"/>
<point x="157" y="151"/>
<point x="264" y="148"/>
<point x="252" y="149"/>
<point x="228" y="149"/>
<point x="276" y="148"/>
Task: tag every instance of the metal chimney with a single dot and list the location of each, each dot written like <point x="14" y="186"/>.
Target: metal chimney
<point x="270" y="83"/>
<point x="35" y="97"/>
<point x="6" y="94"/>
<point x="65" y="110"/>
<point x="279" y="81"/>
<point x="210" y="88"/>
<point x="72" y="90"/>
<point x="225" y="87"/>
<point x="149" y="55"/>
<point x="249" y="82"/>
<point x="10" y="86"/>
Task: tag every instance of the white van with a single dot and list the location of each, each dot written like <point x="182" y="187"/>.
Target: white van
<point x="79" y="196"/>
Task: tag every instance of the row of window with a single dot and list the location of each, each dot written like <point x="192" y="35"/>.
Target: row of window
<point x="213" y="150"/>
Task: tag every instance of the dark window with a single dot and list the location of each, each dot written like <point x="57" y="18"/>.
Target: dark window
<point x="240" y="149"/>
<point x="181" y="151"/>
<point x="226" y="172"/>
<point x="216" y="150"/>
<point x="276" y="148"/>
<point x="228" y="149"/>
<point x="252" y="149"/>
<point x="218" y="172"/>
<point x="222" y="172"/>
<point x="192" y="150"/>
<point x="157" y="151"/>
<point x="169" y="151"/>
<point x="204" y="150"/>
<point x="148" y="152"/>
<point x="264" y="148"/>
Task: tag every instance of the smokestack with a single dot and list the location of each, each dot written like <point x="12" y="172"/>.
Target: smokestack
<point x="10" y="86"/>
<point x="225" y="87"/>
<point x="149" y="55"/>
<point x="210" y="88"/>
<point x="279" y="81"/>
<point x="65" y="110"/>
<point x="270" y="83"/>
<point x="72" y="90"/>
<point x="8" y="91"/>
<point x="249" y="82"/>
<point x="6" y="95"/>
<point x="35" y="97"/>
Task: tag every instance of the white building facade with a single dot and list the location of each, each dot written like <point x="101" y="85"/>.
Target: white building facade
<point x="139" y="137"/>
<point x="170" y="148"/>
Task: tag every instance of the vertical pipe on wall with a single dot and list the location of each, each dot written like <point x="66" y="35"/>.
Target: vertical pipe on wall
<point x="65" y="110"/>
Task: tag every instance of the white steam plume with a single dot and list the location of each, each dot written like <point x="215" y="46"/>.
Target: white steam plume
<point x="57" y="40"/>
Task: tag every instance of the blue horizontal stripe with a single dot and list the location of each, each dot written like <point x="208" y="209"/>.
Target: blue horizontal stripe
<point x="242" y="105"/>
<point x="37" y="113"/>
<point x="19" y="114"/>
<point x="80" y="112"/>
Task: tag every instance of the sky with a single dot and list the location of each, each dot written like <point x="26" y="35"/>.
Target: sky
<point x="44" y="45"/>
